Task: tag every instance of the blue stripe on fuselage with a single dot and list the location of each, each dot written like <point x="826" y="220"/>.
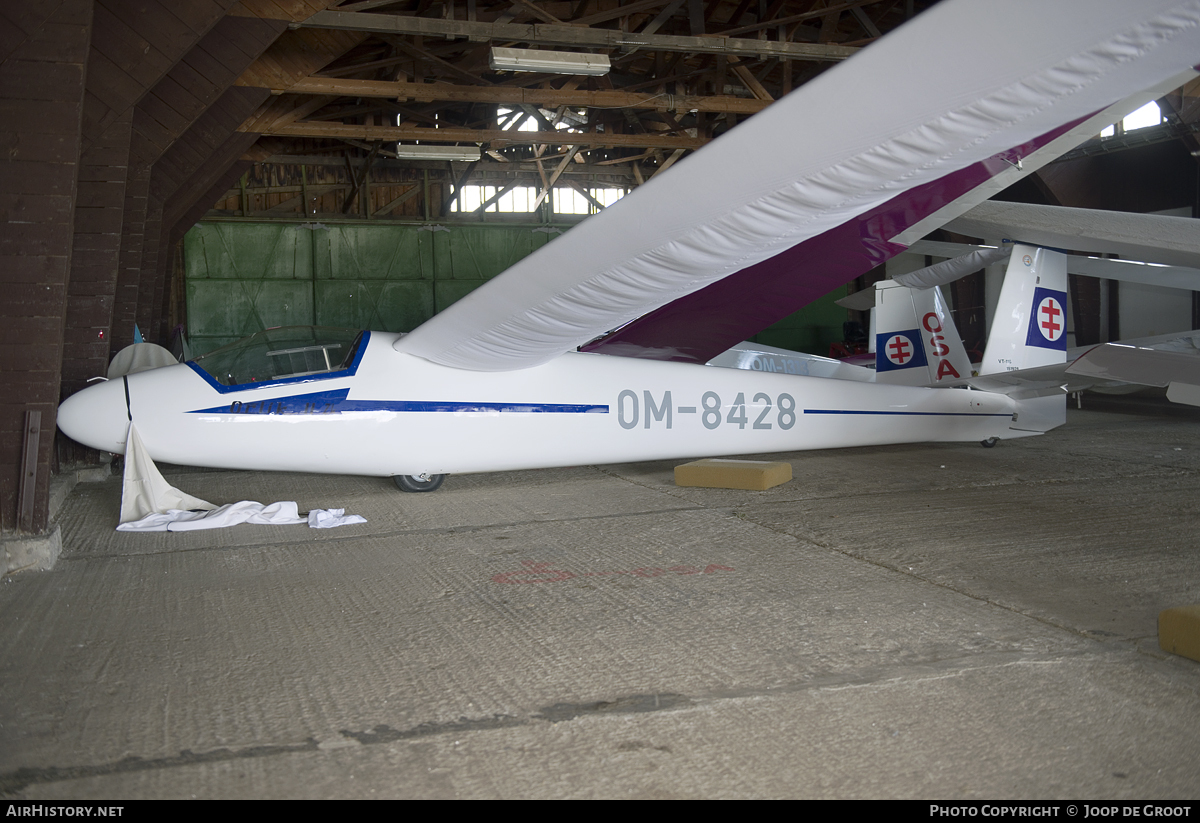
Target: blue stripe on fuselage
<point x="910" y="413"/>
<point x="336" y="402"/>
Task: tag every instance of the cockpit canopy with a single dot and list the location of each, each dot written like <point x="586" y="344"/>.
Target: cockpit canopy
<point x="288" y="351"/>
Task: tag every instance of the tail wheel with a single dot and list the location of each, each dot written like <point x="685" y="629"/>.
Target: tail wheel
<point x="419" y="482"/>
<point x="991" y="441"/>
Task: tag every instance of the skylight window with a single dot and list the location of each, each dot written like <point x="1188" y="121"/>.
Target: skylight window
<point x="508" y="117"/>
<point x="564" y="119"/>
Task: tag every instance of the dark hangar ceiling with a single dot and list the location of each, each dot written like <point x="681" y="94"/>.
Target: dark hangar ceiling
<point x="368" y="74"/>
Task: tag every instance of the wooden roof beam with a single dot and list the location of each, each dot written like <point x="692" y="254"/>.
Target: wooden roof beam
<point x="493" y="137"/>
<point x="621" y="11"/>
<point x="833" y="9"/>
<point x="514" y="96"/>
<point x="486" y="170"/>
<point x="751" y="82"/>
<point x="566" y="35"/>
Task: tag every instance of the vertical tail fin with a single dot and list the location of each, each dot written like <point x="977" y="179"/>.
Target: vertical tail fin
<point x="1030" y="325"/>
<point x="916" y="341"/>
<point x="1030" y="329"/>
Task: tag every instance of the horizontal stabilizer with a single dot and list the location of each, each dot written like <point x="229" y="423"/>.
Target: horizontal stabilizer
<point x="938" y="274"/>
<point x="950" y="270"/>
<point x="1143" y="366"/>
<point x="1171" y="360"/>
<point x="1187" y="394"/>
<point x="1041" y="381"/>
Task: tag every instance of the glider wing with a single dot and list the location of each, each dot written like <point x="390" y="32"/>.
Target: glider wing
<point x="826" y="183"/>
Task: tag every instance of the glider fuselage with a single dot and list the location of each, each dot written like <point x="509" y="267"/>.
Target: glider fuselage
<point x="388" y="413"/>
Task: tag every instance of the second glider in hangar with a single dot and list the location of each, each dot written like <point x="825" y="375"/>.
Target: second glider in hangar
<point x="761" y="221"/>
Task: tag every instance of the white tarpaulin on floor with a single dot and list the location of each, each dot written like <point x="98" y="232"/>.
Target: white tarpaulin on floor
<point x="145" y="491"/>
<point x="150" y="503"/>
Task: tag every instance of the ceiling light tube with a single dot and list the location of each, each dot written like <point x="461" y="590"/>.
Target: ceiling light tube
<point x="550" y="62"/>
<point x="424" y="152"/>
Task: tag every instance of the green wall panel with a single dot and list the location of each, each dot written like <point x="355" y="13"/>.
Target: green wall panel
<point x="449" y="292"/>
<point x="380" y="305"/>
<point x="354" y="252"/>
<point x="812" y="329"/>
<point x="248" y="251"/>
<point x="481" y="252"/>
<point x="243" y="277"/>
<point x="224" y="308"/>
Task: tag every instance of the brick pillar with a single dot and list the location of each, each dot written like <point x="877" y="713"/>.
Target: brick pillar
<point x="42" y="82"/>
<point x="129" y="273"/>
<point x="99" y="207"/>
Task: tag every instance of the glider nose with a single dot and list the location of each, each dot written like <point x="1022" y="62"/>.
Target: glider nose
<point x="97" y="416"/>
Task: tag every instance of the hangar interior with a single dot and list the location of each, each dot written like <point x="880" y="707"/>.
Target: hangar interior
<point x="910" y="621"/>
<point x="212" y="168"/>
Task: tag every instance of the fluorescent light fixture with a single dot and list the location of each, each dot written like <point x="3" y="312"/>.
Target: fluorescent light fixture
<point x="410" y="152"/>
<point x="551" y="62"/>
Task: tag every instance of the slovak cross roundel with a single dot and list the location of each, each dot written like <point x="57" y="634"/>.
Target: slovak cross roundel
<point x="1050" y="320"/>
<point x="899" y="350"/>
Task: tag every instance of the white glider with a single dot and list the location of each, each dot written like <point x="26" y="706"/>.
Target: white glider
<point x="815" y="190"/>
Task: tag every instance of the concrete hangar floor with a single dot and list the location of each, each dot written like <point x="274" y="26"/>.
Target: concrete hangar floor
<point x="927" y="622"/>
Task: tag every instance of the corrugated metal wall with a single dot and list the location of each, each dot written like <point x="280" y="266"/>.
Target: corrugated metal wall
<point x="243" y="277"/>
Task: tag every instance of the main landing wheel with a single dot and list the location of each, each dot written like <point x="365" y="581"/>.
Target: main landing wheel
<point x="419" y="482"/>
<point x="987" y="444"/>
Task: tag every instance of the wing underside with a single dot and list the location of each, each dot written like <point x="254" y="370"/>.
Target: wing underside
<point x="826" y="183"/>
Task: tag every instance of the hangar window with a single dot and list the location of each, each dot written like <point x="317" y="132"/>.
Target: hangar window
<point x="521" y="199"/>
<point x="1145" y="117"/>
<point x="276" y="354"/>
<point x="517" y="200"/>
<point x="568" y="200"/>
